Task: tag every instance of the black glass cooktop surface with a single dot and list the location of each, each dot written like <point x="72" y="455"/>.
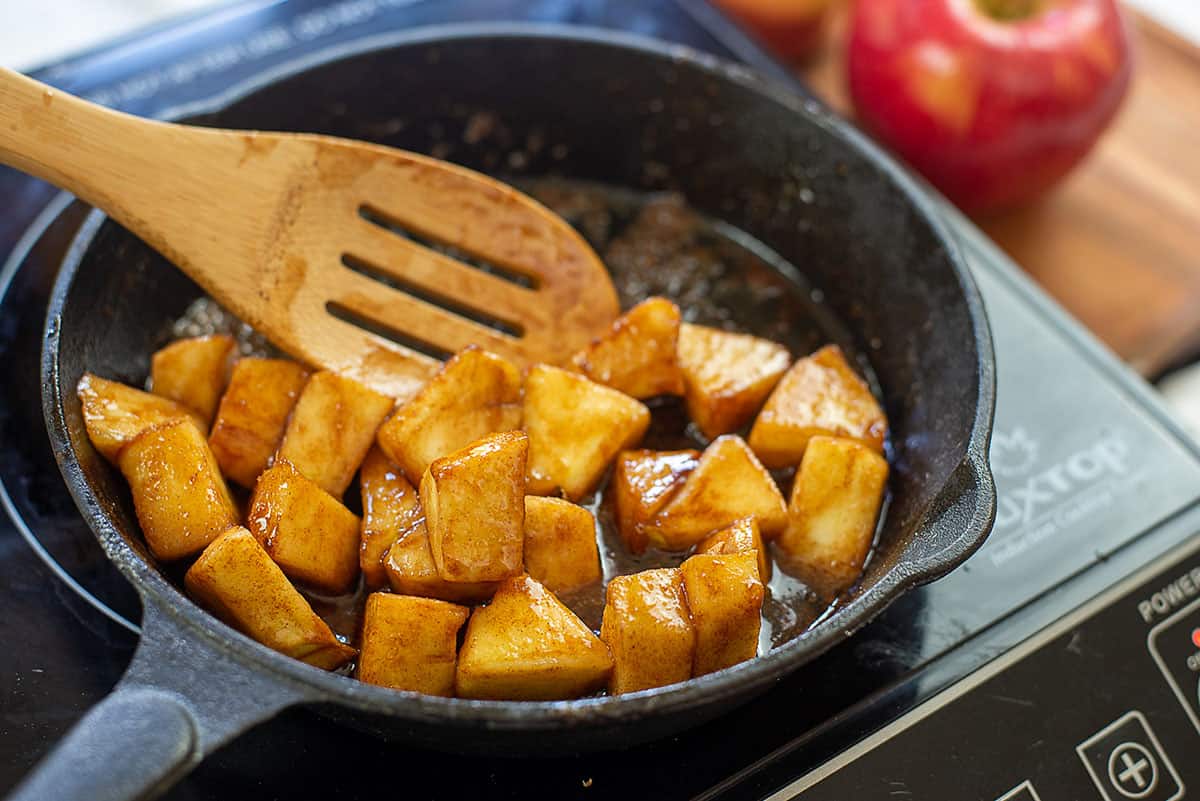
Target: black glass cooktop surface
<point x="1094" y="482"/>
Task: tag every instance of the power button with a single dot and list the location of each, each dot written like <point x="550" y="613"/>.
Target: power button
<point x="1175" y="646"/>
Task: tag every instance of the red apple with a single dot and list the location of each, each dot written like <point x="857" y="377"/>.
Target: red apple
<point x="791" y="28"/>
<point x="992" y="100"/>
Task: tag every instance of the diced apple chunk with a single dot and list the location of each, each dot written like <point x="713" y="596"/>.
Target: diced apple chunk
<point x="820" y="394"/>
<point x="560" y="544"/>
<point x="114" y="414"/>
<point x="727" y="376"/>
<point x="642" y="483"/>
<point x="475" y="394"/>
<point x="410" y="643"/>
<point x="727" y="484"/>
<point x="309" y="534"/>
<point x="193" y="372"/>
<point x="412" y="571"/>
<point x="575" y="427"/>
<point x="391" y="509"/>
<point x="236" y="581"/>
<point x="648" y="630"/>
<point x="833" y="512"/>
<point x="725" y="598"/>
<point x="474" y="502"/>
<point x="181" y="500"/>
<point x="332" y="428"/>
<point x="741" y="537"/>
<point x="525" y="645"/>
<point x="638" y="354"/>
<point x="253" y="414"/>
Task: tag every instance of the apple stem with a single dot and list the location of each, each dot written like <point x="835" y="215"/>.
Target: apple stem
<point x="1009" y="9"/>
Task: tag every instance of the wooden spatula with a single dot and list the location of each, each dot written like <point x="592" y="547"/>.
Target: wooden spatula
<point x="292" y="232"/>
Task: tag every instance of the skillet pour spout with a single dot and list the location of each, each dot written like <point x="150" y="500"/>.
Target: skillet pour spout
<point x="588" y="106"/>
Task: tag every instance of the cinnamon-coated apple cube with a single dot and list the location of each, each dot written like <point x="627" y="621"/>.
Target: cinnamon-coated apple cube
<point x="474" y="502"/>
<point x="820" y="394"/>
<point x="410" y="643"/>
<point x="742" y="536"/>
<point x="648" y="629"/>
<point x="181" y="499"/>
<point x="638" y="354"/>
<point x="309" y="534"/>
<point x="193" y="372"/>
<point x="560" y="544"/>
<point x="412" y="571"/>
<point x="253" y="414"/>
<point x="391" y="509"/>
<point x="475" y="394"/>
<point x="526" y="646"/>
<point x="833" y="513"/>
<point x="642" y="483"/>
<point x="575" y="427"/>
<point x="727" y="484"/>
<point x="332" y="428"/>
<point x="724" y="598"/>
<point x="236" y="580"/>
<point x="727" y="376"/>
<point x="114" y="414"/>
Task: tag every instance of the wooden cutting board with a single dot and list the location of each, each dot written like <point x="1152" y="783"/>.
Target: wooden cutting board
<point x="1118" y="242"/>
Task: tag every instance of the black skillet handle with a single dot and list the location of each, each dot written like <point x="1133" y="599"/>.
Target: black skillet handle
<point x="957" y="521"/>
<point x="181" y="697"/>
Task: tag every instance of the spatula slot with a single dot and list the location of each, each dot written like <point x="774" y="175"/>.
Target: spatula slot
<point x="381" y="219"/>
<point x="404" y="339"/>
<point x="365" y="268"/>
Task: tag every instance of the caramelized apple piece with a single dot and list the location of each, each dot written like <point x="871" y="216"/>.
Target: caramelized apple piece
<point x="475" y="394"/>
<point x="642" y="483"/>
<point x="236" y="581"/>
<point x="181" y="500"/>
<point x="331" y="429"/>
<point x="648" y="628"/>
<point x="725" y="599"/>
<point x="742" y="536"/>
<point x="560" y="544"/>
<point x="391" y="509"/>
<point x="193" y="372"/>
<point x="727" y="376"/>
<point x="114" y="414"/>
<point x="820" y="394"/>
<point x="412" y="571"/>
<point x="638" y="354"/>
<point x="575" y="427"/>
<point x="834" y="508"/>
<point x="309" y="534"/>
<point x="525" y="645"/>
<point x="253" y="414"/>
<point x="410" y="643"/>
<point x="474" y="502"/>
<point x="727" y="484"/>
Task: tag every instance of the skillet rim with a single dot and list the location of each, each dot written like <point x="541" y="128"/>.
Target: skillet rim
<point x="730" y="683"/>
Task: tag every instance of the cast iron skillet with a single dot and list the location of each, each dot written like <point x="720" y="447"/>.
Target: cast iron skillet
<point x="737" y="148"/>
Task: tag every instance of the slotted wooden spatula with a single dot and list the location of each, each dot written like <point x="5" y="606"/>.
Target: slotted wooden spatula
<point x="291" y="232"/>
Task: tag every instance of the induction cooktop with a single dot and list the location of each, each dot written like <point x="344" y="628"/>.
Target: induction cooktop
<point x="1061" y="661"/>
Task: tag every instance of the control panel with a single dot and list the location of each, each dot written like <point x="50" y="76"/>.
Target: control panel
<point x="1103" y="705"/>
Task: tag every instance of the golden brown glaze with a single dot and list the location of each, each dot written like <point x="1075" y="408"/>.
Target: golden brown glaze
<point x="643" y="481"/>
<point x="648" y="628"/>
<point x="742" y="536"/>
<point x="412" y="571"/>
<point x="724" y="598"/>
<point x="253" y="414"/>
<point x="474" y="502"/>
<point x="236" y="581"/>
<point x="193" y="372"/>
<point x="820" y="394"/>
<point x="391" y="509"/>
<point x="575" y="428"/>
<point x="410" y="643"/>
<point x="560" y="544"/>
<point x="476" y="393"/>
<point x="525" y="645"/>
<point x="114" y="414"/>
<point x="638" y="354"/>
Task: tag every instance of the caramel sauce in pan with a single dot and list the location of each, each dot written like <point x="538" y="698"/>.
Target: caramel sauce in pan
<point x="719" y="276"/>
